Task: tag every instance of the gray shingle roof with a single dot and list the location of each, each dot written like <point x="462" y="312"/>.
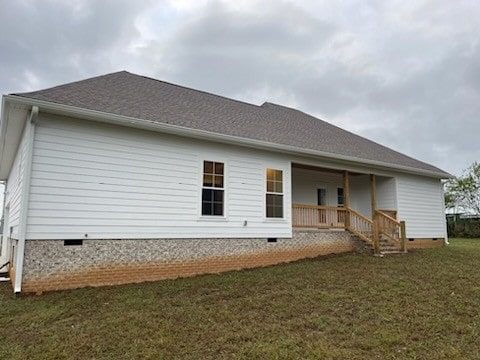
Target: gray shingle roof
<point x="131" y="95"/>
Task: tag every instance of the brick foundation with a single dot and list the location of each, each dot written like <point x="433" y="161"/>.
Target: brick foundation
<point x="429" y="243"/>
<point x="49" y="265"/>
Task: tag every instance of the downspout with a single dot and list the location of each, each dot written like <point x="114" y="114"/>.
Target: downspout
<point x="27" y="172"/>
<point x="3" y="248"/>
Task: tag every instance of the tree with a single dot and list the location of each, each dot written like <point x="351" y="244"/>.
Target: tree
<point x="463" y="192"/>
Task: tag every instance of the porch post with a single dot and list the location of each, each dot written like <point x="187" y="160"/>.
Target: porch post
<point x="376" y="236"/>
<point x="403" y="237"/>
<point x="346" y="197"/>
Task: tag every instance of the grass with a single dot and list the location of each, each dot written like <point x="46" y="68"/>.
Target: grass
<point x="424" y="305"/>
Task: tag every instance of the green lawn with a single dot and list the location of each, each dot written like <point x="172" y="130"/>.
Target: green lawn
<point x="423" y="305"/>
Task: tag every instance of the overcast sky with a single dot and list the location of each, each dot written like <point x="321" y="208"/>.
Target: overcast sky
<point x="402" y="73"/>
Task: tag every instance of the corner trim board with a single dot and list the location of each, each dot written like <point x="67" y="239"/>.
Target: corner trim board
<point x="22" y="230"/>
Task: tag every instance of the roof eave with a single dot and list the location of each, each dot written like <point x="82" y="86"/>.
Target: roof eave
<point x="100" y="116"/>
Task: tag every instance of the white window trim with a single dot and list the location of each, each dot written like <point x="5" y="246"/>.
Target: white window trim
<point x="271" y="219"/>
<point x="213" y="218"/>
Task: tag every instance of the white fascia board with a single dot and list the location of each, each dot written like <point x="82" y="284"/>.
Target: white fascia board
<point x="11" y="128"/>
<point x="100" y="116"/>
<point x="3" y="128"/>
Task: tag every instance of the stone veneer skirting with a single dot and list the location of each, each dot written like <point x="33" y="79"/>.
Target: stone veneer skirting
<point x="49" y="265"/>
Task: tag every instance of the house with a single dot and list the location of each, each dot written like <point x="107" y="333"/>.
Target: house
<point x="123" y="178"/>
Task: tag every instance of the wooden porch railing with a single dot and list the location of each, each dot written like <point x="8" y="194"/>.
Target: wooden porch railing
<point x="391" y="213"/>
<point x="360" y="225"/>
<point x="391" y="229"/>
<point x="313" y="216"/>
<point x="322" y="217"/>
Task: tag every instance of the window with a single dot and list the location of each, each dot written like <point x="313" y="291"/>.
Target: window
<point x="213" y="188"/>
<point x="321" y="197"/>
<point x="274" y="197"/>
<point x="340" y="198"/>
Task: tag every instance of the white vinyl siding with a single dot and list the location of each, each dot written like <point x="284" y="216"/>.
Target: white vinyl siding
<point x="420" y="205"/>
<point x="94" y="180"/>
<point x="306" y="182"/>
<point x="102" y="181"/>
<point x="360" y="194"/>
<point x="13" y="194"/>
<point x="245" y="187"/>
<point x="386" y="191"/>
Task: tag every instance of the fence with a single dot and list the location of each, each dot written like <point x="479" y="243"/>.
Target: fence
<point x="459" y="225"/>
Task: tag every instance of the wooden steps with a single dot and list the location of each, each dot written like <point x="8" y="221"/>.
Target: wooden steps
<point x="386" y="248"/>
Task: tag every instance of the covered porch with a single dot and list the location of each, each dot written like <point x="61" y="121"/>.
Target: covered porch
<point x="363" y="204"/>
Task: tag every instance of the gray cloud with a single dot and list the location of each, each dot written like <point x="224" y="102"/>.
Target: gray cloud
<point x="45" y="43"/>
<point x="405" y="74"/>
<point x="227" y="51"/>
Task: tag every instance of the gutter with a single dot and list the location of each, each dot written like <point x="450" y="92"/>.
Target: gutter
<point x="3" y="248"/>
<point x="207" y="135"/>
<point x="27" y="172"/>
